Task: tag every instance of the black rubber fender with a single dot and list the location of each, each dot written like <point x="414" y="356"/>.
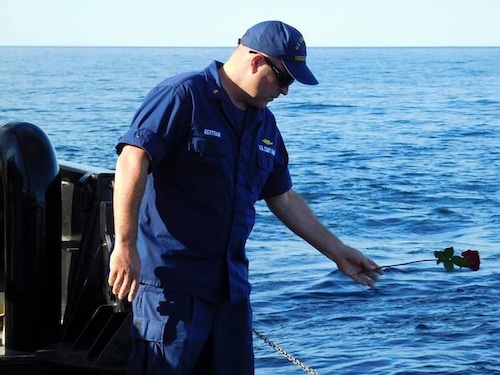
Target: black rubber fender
<point x="31" y="248"/>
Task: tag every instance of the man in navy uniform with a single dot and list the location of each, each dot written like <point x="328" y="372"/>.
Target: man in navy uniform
<point x="201" y="150"/>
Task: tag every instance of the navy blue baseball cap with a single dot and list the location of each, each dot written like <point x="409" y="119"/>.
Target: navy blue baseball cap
<point x="281" y="41"/>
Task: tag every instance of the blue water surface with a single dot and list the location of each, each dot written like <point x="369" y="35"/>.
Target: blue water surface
<point x="397" y="151"/>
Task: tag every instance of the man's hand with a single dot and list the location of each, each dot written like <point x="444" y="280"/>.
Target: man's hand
<point x="357" y="266"/>
<point x="125" y="268"/>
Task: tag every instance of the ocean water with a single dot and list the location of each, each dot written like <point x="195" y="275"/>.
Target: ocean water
<point x="397" y="151"/>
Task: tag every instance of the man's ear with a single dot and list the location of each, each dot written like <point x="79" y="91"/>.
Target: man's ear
<point x="256" y="61"/>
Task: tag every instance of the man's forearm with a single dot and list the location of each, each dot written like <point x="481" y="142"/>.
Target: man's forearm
<point x="130" y="181"/>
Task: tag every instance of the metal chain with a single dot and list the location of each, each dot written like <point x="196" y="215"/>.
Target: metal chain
<point x="290" y="357"/>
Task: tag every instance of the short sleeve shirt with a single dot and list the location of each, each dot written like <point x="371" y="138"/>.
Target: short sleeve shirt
<point x="210" y="163"/>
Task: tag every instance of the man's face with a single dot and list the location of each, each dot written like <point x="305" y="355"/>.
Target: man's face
<point x="270" y="80"/>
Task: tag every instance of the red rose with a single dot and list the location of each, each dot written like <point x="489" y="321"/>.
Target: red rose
<point x="472" y="257"/>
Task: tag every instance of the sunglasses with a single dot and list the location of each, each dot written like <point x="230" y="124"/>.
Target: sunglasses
<point x="284" y="79"/>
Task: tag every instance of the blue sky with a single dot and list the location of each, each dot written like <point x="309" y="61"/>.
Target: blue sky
<point x="221" y="22"/>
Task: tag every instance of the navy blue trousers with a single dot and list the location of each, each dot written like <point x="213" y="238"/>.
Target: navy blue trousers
<point x="179" y="334"/>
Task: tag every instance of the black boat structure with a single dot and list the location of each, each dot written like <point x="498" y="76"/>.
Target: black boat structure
<point x="58" y="315"/>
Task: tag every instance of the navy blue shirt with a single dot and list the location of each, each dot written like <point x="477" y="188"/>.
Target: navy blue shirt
<point x="210" y="163"/>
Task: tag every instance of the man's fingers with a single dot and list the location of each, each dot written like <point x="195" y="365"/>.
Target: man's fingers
<point x="127" y="289"/>
<point x="372" y="275"/>
<point x="371" y="266"/>
<point x="118" y="283"/>
<point x="124" y="288"/>
<point x="111" y="278"/>
<point x="133" y="290"/>
<point x="366" y="277"/>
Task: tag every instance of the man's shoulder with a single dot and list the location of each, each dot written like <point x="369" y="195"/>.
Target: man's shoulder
<point x="186" y="79"/>
<point x="192" y="78"/>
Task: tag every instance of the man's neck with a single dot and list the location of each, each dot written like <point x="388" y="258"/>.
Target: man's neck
<point x="234" y="92"/>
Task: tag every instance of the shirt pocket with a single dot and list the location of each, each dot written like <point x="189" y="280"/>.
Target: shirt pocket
<point x="265" y="162"/>
<point x="264" y="168"/>
<point x="208" y="156"/>
<point x="205" y="144"/>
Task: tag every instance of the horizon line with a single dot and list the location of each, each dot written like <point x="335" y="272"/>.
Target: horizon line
<point x="177" y="46"/>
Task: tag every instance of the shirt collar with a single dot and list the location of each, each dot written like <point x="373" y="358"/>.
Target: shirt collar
<point x="216" y="91"/>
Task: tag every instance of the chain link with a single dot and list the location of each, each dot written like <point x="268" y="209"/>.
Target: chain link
<point x="290" y="357"/>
